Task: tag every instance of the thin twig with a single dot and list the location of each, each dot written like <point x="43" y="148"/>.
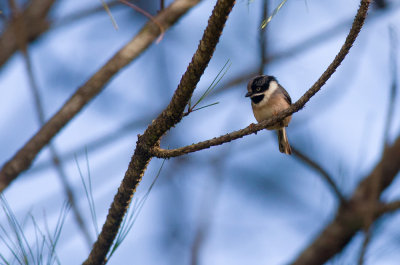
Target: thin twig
<point x="263" y="37"/>
<point x="364" y="247"/>
<point x="149" y="33"/>
<point x="393" y="87"/>
<point x="152" y="135"/>
<point x="390" y="207"/>
<point x="84" y="13"/>
<point x="299" y="104"/>
<point x="148" y="15"/>
<point x="324" y="174"/>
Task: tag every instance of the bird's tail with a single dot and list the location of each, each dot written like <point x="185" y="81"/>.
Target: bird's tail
<point x="284" y="146"/>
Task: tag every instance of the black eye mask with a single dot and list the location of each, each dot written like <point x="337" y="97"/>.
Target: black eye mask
<point x="257" y="99"/>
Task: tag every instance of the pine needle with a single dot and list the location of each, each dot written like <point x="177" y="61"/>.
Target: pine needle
<point x="276" y="10"/>
<point x="210" y="88"/>
<point x="113" y="21"/>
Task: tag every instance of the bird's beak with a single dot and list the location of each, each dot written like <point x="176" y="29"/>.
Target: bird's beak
<point x="248" y="94"/>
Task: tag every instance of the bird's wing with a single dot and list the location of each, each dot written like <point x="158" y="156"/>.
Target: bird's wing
<point x="287" y="97"/>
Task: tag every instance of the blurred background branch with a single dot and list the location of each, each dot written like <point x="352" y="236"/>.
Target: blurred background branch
<point x="322" y="172"/>
<point x="350" y="218"/>
<point x="20" y="34"/>
<point x="36" y="23"/>
<point x="393" y="87"/>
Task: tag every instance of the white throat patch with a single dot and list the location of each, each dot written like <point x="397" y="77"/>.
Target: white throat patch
<point x="273" y="86"/>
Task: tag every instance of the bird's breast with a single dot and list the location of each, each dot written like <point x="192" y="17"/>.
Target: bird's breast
<point x="268" y="108"/>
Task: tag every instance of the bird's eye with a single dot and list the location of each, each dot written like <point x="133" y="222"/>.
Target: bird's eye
<point x="258" y="89"/>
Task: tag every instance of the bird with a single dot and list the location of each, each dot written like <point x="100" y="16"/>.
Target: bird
<point x="268" y="98"/>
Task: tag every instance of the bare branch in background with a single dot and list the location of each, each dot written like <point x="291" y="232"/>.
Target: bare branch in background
<point x="20" y="33"/>
<point x="263" y="37"/>
<point x="381" y="4"/>
<point x="100" y="142"/>
<point x="35" y="17"/>
<point x="390" y="207"/>
<point x="152" y="135"/>
<point x="323" y="173"/>
<point x="149" y="16"/>
<point x="393" y="88"/>
<point x="149" y="33"/>
<point x="350" y="217"/>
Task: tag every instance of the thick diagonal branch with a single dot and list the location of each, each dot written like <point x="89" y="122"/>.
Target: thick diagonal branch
<point x="24" y="157"/>
<point x="167" y="119"/>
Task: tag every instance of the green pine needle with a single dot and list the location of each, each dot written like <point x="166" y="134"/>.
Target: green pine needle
<point x="88" y="192"/>
<point x="113" y="21"/>
<point x="22" y="252"/>
<point x="265" y="22"/>
<point x="211" y="87"/>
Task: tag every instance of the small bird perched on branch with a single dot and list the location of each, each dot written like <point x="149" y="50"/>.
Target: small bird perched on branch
<point x="268" y="98"/>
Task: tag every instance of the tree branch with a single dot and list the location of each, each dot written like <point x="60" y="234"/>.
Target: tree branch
<point x="389" y="207"/>
<point x="307" y="160"/>
<point x="151" y="137"/>
<point x="350" y="218"/>
<point x="35" y="17"/>
<point x="24" y="157"/>
<point x="254" y="128"/>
